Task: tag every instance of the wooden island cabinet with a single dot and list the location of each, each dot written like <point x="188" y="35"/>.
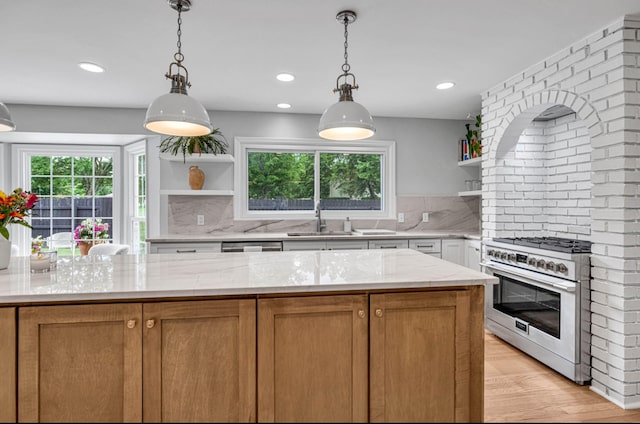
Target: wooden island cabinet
<point x="301" y="353"/>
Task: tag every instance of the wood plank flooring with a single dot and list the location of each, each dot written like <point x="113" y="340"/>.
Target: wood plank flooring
<point x="518" y="388"/>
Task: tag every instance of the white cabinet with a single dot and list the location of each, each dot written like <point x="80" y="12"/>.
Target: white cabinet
<point x="388" y="244"/>
<point x="472" y="254"/>
<point x="185" y="247"/>
<point x="453" y="250"/>
<point x="324" y="244"/>
<point x="218" y="170"/>
<point x="427" y="246"/>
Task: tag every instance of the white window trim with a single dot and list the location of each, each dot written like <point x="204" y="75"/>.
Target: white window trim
<point x="388" y="178"/>
<point x="21" y="177"/>
<point x="129" y="189"/>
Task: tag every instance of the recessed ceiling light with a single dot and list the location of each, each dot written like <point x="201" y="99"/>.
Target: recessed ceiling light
<point x="285" y="77"/>
<point x="91" y="67"/>
<point x="284" y="105"/>
<point x="445" y="85"/>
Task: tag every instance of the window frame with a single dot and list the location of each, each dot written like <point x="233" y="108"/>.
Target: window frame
<point x="21" y="177"/>
<point x="130" y="193"/>
<point x="244" y="145"/>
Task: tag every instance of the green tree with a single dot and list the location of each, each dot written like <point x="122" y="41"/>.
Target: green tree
<point x="357" y="176"/>
<point x="275" y="175"/>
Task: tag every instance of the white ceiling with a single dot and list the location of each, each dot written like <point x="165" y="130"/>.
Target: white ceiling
<point x="398" y="50"/>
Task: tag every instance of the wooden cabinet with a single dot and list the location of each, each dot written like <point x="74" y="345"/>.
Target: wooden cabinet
<point x="199" y="361"/>
<point x="421" y="358"/>
<point x="453" y="251"/>
<point x="312" y="356"/>
<point x="423" y="352"/>
<point x="80" y="363"/>
<point x="89" y="363"/>
<point x="8" y="350"/>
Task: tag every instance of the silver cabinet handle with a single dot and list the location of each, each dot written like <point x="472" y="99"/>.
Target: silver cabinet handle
<point x="186" y="251"/>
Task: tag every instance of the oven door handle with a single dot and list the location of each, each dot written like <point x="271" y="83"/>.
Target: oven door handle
<point x="538" y="281"/>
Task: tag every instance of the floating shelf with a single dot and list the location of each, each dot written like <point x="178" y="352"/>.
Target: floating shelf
<point x="470" y="193"/>
<point x="189" y="192"/>
<point x="197" y="157"/>
<point x="471" y="162"/>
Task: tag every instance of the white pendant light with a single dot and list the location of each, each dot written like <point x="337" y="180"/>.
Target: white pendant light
<point x="346" y="120"/>
<point x="176" y="113"/>
<point x="6" y="123"/>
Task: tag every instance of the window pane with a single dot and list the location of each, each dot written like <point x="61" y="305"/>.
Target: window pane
<point x="83" y="166"/>
<point x="61" y="186"/>
<point x="40" y="166"/>
<point x="350" y="181"/>
<point x="61" y="165"/>
<point x="280" y="181"/>
<point x="41" y="185"/>
<point x="104" y="186"/>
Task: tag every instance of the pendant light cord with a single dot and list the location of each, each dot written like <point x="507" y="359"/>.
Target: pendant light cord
<point x="346" y="67"/>
<point x="179" y="57"/>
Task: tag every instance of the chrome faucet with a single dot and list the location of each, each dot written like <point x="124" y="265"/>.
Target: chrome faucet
<point x="319" y="224"/>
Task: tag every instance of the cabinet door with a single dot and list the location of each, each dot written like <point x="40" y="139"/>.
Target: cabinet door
<point x="303" y="245"/>
<point x="199" y="361"/>
<point x="346" y="244"/>
<point x="473" y="254"/>
<point x="312" y="356"/>
<point x="423" y="363"/>
<point x="8" y="365"/>
<point x="453" y="251"/>
<point x="388" y="244"/>
<point x="185" y="247"/>
<point x="80" y="363"/>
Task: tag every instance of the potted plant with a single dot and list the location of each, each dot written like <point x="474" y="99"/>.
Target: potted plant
<point x="474" y="138"/>
<point x="90" y="232"/>
<point x="214" y="142"/>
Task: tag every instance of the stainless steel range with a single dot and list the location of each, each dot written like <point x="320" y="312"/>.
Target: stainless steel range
<point x="541" y="303"/>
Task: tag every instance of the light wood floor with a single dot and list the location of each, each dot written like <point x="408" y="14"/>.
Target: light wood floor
<point x="517" y="388"/>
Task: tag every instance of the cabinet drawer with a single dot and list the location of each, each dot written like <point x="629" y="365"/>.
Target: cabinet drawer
<point x="388" y="244"/>
<point x="346" y="244"/>
<point x="185" y="247"/>
<point x="425" y="245"/>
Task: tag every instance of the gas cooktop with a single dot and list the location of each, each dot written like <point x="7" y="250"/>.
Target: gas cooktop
<point x="557" y="244"/>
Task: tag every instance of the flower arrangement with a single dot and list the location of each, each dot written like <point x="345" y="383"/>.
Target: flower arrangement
<point x="91" y="229"/>
<point x="36" y="245"/>
<point x="14" y="208"/>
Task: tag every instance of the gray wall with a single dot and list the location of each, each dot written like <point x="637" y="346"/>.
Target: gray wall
<point x="426" y="148"/>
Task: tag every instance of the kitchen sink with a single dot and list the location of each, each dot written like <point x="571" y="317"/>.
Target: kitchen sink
<point x="323" y="233"/>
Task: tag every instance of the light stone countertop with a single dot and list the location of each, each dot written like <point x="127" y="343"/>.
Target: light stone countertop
<point x="255" y="236"/>
<point x="120" y="277"/>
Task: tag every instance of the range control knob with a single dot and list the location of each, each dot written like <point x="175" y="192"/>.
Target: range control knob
<point x="512" y="256"/>
<point x="531" y="261"/>
<point x="551" y="266"/>
<point x="540" y="263"/>
<point x="503" y="255"/>
<point x="490" y="252"/>
<point x="562" y="268"/>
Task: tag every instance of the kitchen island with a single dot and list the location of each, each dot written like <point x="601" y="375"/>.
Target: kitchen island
<point x="363" y="335"/>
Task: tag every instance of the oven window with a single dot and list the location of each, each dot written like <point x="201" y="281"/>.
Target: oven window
<point x="537" y="306"/>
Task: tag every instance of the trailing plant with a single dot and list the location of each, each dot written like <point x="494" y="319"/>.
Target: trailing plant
<point x="474" y="137"/>
<point x="214" y="142"/>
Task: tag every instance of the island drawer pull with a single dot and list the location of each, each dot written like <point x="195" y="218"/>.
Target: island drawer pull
<point x="361" y="313"/>
<point x="151" y="323"/>
<point x="131" y="323"/>
<point x="379" y="313"/>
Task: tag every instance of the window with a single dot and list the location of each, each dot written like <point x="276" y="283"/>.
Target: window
<point x="73" y="184"/>
<point x="284" y="179"/>
<point x="135" y="232"/>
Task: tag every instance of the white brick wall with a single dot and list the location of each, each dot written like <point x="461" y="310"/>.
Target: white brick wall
<point x="582" y="173"/>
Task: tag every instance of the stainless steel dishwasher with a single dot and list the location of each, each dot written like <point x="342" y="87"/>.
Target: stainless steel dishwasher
<point x="251" y="246"/>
